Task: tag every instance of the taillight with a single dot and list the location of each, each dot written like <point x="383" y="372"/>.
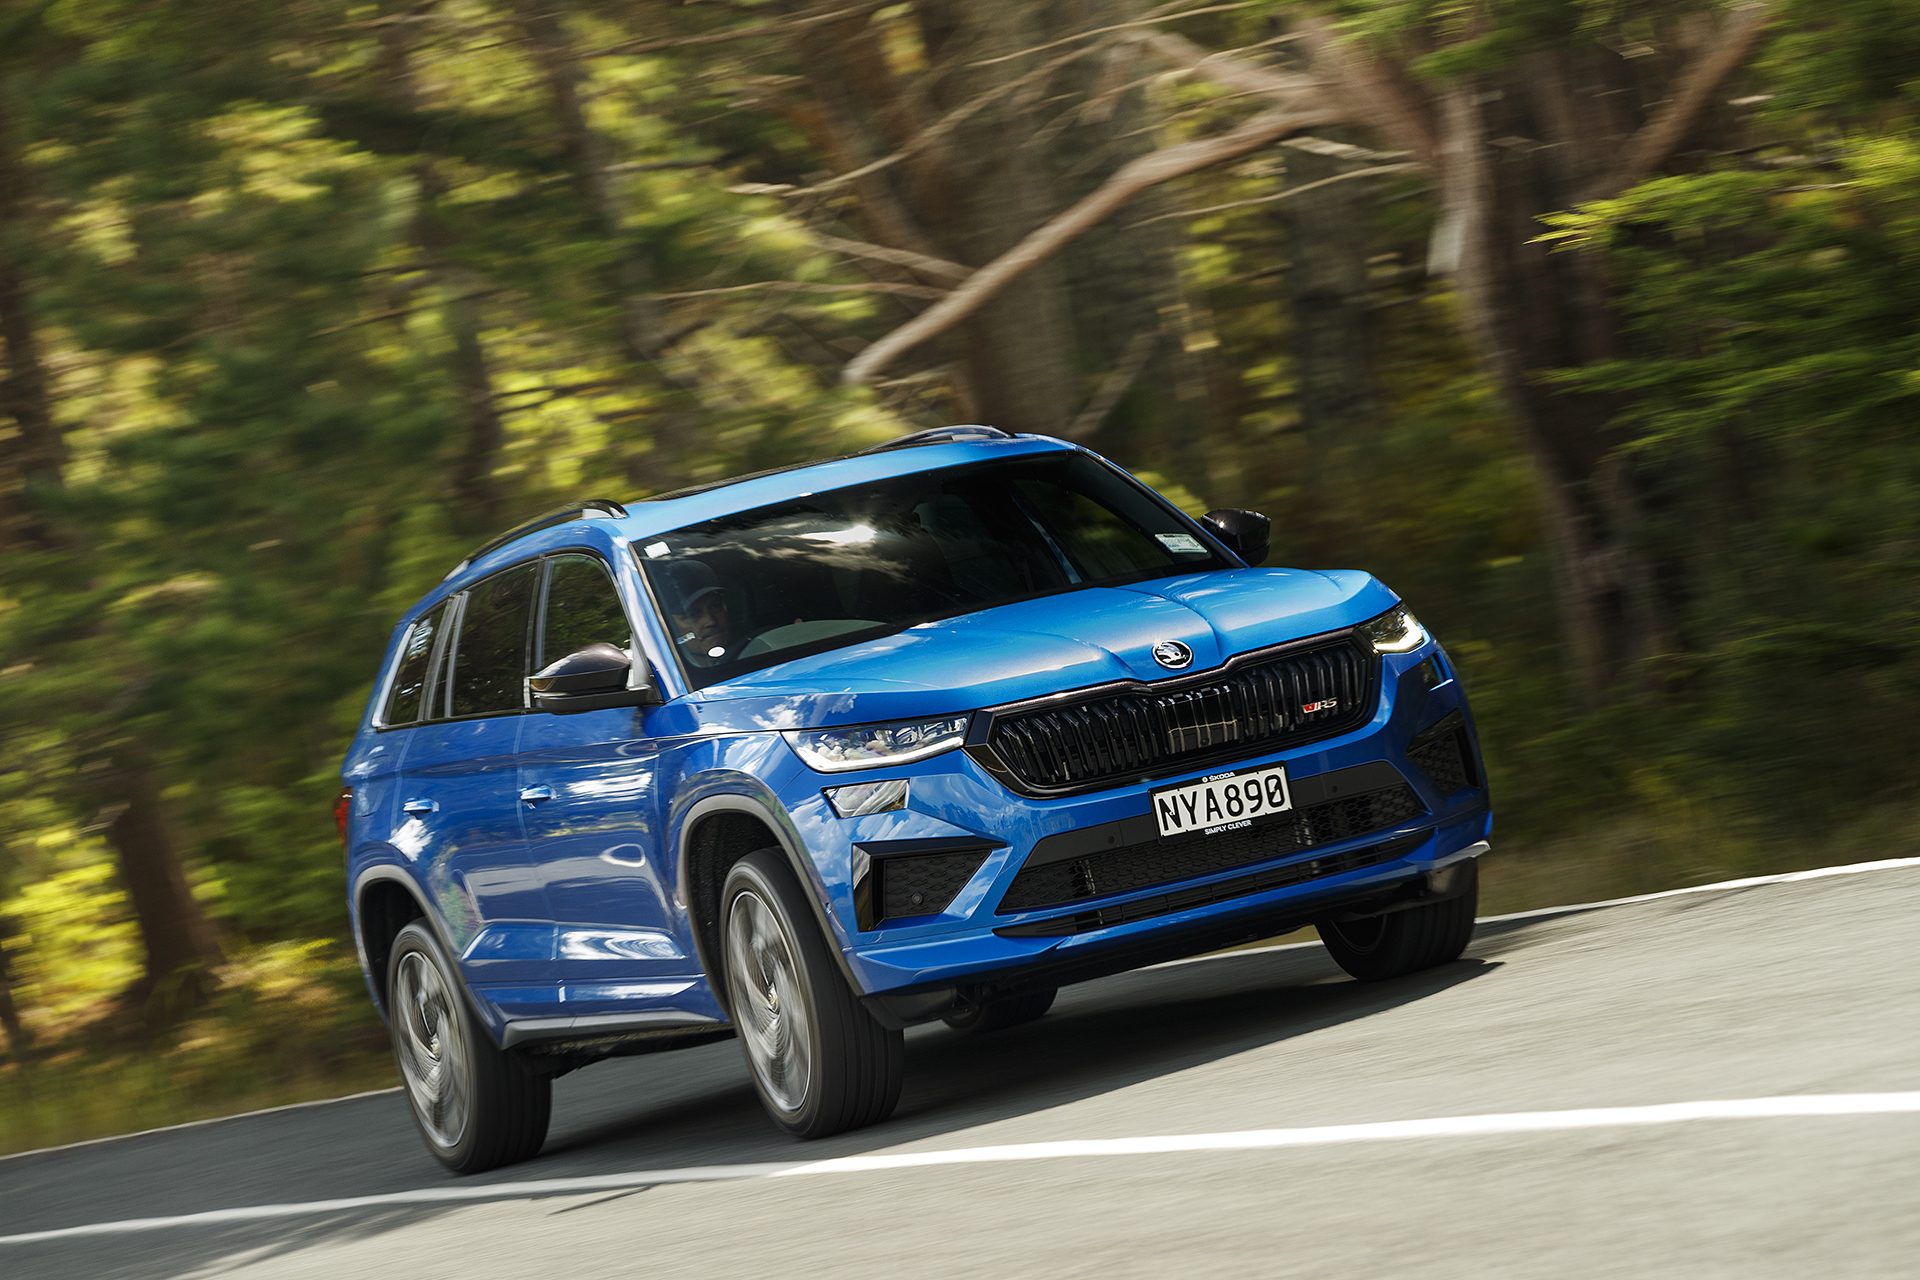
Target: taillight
<point x="342" y="810"/>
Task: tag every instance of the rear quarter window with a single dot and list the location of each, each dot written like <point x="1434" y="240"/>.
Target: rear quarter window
<point x="409" y="686"/>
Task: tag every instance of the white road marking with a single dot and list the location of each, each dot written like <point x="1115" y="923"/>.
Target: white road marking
<point x="1817" y="873"/>
<point x="1720" y="886"/>
<point x="1748" y="882"/>
<point x="1519" y="1122"/>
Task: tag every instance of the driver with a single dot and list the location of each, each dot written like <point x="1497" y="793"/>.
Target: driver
<point x="710" y="634"/>
<point x="704" y="627"/>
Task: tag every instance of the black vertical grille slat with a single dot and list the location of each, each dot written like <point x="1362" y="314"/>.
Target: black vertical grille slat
<point x="1290" y="674"/>
<point x="1240" y="703"/>
<point x="1273" y="688"/>
<point x="1252" y="706"/>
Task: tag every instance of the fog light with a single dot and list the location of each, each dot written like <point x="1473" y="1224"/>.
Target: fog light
<point x="867" y="797"/>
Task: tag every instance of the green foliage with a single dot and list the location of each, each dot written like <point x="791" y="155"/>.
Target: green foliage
<point x="292" y="1023"/>
<point x="1778" y="393"/>
<point x="252" y="347"/>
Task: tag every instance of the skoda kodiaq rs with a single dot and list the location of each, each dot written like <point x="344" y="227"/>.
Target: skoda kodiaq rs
<point x="917" y="734"/>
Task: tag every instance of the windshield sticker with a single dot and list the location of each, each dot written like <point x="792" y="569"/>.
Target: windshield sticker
<point x="1184" y="544"/>
<point x="655" y="550"/>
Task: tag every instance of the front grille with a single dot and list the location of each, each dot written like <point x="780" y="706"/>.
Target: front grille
<point x="1298" y="872"/>
<point x="1256" y="705"/>
<point x="1142" y="865"/>
<point x="1444" y="756"/>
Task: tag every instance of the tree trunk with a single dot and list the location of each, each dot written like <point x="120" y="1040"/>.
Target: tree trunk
<point x="32" y="456"/>
<point x="19" y="1039"/>
<point x="641" y="323"/>
<point x="180" y="945"/>
<point x="1330" y="297"/>
<point x="1514" y="147"/>
<point x="1018" y="350"/>
<point x="1148" y="398"/>
<point x="476" y="496"/>
<point x="856" y="112"/>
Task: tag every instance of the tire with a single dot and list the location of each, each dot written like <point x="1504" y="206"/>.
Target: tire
<point x="1008" y="1011"/>
<point x="1374" y="948"/>
<point x="477" y="1106"/>
<point x="819" y="1061"/>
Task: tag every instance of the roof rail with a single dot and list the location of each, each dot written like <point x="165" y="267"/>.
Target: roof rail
<point x="589" y="508"/>
<point x="942" y="435"/>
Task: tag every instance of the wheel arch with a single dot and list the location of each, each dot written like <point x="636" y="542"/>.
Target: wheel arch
<point x="716" y="832"/>
<point x="385" y="901"/>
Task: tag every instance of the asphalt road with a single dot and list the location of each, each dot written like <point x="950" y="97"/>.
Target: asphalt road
<point x="1781" y="1001"/>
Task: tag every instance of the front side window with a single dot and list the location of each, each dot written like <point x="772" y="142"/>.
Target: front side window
<point x="749" y="590"/>
<point x="410" y="677"/>
<point x="490" y="651"/>
<point x="582" y="608"/>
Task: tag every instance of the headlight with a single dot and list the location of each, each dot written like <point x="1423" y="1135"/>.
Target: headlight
<point x="1395" y="631"/>
<point x="866" y="746"/>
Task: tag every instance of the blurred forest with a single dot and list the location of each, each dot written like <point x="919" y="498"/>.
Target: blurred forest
<point x="1593" y="326"/>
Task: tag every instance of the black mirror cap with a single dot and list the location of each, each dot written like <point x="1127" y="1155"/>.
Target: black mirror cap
<point x="590" y="679"/>
<point x="1248" y="534"/>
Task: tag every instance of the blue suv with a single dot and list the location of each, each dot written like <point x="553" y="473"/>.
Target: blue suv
<point x="919" y="734"/>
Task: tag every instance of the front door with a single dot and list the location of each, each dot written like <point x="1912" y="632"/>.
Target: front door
<point x="591" y="813"/>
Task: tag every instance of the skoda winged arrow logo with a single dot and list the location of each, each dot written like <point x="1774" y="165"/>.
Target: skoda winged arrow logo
<point x="1172" y="654"/>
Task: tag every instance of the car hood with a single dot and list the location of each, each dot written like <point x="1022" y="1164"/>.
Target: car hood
<point x="1037" y="647"/>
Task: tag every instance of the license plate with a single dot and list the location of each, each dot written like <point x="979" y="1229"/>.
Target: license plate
<point x="1223" y="802"/>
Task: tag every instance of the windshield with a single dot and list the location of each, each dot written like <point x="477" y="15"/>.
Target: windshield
<point x="814" y="573"/>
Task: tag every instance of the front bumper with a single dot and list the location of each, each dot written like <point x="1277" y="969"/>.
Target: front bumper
<point x="911" y="967"/>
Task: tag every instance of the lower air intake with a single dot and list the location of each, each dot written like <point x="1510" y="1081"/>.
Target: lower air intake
<point x="1149" y="863"/>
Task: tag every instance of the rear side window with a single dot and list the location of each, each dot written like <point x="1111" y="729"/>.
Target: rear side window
<point x="583" y="608"/>
<point x="410" y="678"/>
<point x="490" y="651"/>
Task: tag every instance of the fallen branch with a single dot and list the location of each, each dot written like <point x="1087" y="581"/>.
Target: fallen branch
<point x="1127" y="182"/>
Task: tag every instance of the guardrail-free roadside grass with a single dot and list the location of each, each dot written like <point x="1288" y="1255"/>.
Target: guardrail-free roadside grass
<point x="1647" y="851"/>
<point x="290" y="1023"/>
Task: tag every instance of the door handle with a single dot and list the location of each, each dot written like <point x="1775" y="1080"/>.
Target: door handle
<point x="419" y="807"/>
<point x="538" y="794"/>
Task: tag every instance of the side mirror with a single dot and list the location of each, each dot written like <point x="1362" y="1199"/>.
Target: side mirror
<point x="1246" y="533"/>
<point x="592" y="679"/>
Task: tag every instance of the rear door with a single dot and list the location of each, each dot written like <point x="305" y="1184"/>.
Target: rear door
<point x="591" y="815"/>
<point x="459" y="801"/>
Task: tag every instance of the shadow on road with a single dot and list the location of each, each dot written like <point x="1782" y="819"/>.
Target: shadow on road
<point x="694" y="1107"/>
<point x="1100" y="1037"/>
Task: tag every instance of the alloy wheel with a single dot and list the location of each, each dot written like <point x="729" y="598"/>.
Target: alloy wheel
<point x="769" y="1002"/>
<point x="431" y="1042"/>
